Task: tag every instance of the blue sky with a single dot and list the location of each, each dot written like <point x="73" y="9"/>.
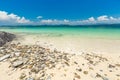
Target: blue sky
<point x="60" y="11"/>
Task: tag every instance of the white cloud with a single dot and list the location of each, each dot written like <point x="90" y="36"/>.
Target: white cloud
<point x="103" y="18"/>
<point x="6" y="18"/>
<point x="54" y="21"/>
<point x="91" y="19"/>
<point x="65" y="20"/>
<point x="99" y="20"/>
<point x="11" y="18"/>
<point x="112" y="18"/>
<point x="47" y="21"/>
<point x="39" y="17"/>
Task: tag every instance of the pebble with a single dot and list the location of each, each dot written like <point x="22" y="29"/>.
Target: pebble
<point x="79" y="70"/>
<point x="77" y="76"/>
<point x="30" y="78"/>
<point x="104" y="78"/>
<point x="85" y="72"/>
<point x="17" y="54"/>
<point x="4" y="57"/>
<point x="111" y="66"/>
<point x="48" y="78"/>
<point x="17" y="63"/>
<point x="23" y="75"/>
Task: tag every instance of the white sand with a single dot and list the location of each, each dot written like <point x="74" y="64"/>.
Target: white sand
<point x="109" y="49"/>
<point x="74" y="44"/>
<point x="68" y="72"/>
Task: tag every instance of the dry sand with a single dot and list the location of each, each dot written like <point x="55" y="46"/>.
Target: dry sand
<point x="80" y="65"/>
<point x="74" y="44"/>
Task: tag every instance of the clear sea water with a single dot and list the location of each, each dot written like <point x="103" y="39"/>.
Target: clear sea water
<point x="89" y="31"/>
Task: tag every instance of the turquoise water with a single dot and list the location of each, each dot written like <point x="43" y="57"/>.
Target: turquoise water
<point x="104" y="31"/>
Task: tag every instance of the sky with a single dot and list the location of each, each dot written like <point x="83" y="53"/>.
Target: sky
<point x="59" y="12"/>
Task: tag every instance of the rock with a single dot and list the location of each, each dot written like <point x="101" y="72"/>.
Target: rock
<point x="5" y="37"/>
<point x="4" y="57"/>
<point x="17" y="63"/>
<point x="118" y="65"/>
<point x="77" y="76"/>
<point x="79" y="70"/>
<point x="17" y="53"/>
<point x="85" y="72"/>
<point x="104" y="78"/>
<point x="98" y="75"/>
<point x="23" y="75"/>
<point x="30" y="78"/>
<point x="111" y="66"/>
<point x="48" y="78"/>
<point x="36" y="70"/>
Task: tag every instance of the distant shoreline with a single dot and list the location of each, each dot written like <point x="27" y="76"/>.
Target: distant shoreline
<point x="62" y="25"/>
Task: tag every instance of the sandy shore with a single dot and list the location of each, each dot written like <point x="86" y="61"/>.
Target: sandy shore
<point x="73" y="44"/>
<point x="95" y="59"/>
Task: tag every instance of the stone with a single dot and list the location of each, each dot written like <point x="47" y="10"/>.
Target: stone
<point x="48" y="78"/>
<point x="17" y="63"/>
<point x="23" y="75"/>
<point x="111" y="66"/>
<point x="79" y="70"/>
<point x="6" y="37"/>
<point x="104" y="78"/>
<point x="17" y="53"/>
<point x="4" y="57"/>
<point x="77" y="76"/>
<point x="85" y="72"/>
<point x="30" y="78"/>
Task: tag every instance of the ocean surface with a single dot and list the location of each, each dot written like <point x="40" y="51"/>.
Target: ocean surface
<point x="88" y="31"/>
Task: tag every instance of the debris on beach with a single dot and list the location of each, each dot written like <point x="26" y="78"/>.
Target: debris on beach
<point x="40" y="62"/>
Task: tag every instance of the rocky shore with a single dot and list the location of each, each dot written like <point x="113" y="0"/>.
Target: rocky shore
<point x="37" y="63"/>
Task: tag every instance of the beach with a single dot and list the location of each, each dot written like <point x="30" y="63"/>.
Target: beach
<point x="59" y="40"/>
<point x="50" y="56"/>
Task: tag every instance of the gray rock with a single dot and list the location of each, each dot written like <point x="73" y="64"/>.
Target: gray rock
<point x="4" y="57"/>
<point x="5" y="37"/>
<point x="48" y="78"/>
<point x="104" y="78"/>
<point x="17" y="63"/>
<point x="30" y="79"/>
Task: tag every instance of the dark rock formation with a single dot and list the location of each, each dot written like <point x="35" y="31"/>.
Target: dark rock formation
<point x="5" y="37"/>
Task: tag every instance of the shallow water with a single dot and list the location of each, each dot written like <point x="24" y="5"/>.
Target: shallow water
<point x="101" y="32"/>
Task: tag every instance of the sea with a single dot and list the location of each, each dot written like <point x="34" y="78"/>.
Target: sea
<point x="111" y="31"/>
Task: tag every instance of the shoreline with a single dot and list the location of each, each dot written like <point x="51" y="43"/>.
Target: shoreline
<point x="71" y="44"/>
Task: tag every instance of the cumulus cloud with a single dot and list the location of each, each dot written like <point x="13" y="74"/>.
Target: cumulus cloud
<point x="11" y="19"/>
<point x="6" y="18"/>
<point x="91" y="19"/>
<point x="103" y="18"/>
<point x="54" y="21"/>
<point x="39" y="17"/>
